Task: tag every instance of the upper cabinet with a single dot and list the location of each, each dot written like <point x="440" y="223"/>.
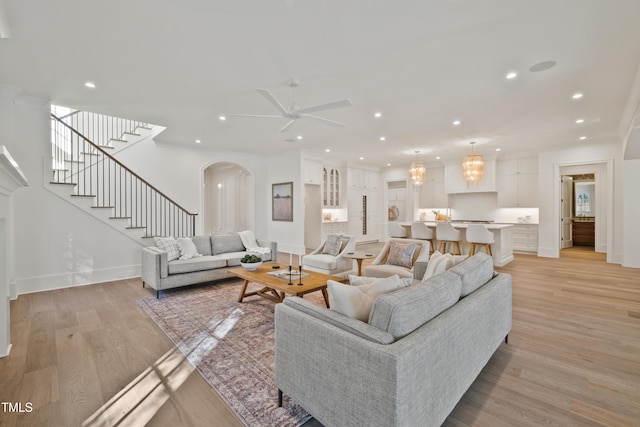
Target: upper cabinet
<point x="363" y="179"/>
<point x="518" y="183"/>
<point x="312" y="171"/>
<point x="455" y="183"/>
<point x="331" y="180"/>
<point x="432" y="193"/>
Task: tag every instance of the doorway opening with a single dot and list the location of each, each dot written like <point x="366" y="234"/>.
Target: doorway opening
<point x="227" y="198"/>
<point x="584" y="217"/>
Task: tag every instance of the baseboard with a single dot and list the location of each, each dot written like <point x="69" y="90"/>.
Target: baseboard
<point x="81" y="278"/>
<point x="6" y="353"/>
<point x="548" y="252"/>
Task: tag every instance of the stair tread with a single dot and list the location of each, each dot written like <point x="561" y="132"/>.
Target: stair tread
<point x="82" y="195"/>
<point x="119" y="217"/>
<point x="117" y="139"/>
<point x="102" y="207"/>
<point x="63" y="183"/>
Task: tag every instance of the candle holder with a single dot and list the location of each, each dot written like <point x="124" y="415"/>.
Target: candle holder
<point x="290" y="281"/>
<point x="300" y="272"/>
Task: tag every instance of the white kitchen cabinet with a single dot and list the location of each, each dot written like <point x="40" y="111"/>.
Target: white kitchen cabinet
<point x="364" y="215"/>
<point x="432" y="193"/>
<point x="312" y="171"/>
<point x="525" y="238"/>
<point x="518" y="183"/>
<point x="331" y="181"/>
<point x="455" y="183"/>
<point x="362" y="179"/>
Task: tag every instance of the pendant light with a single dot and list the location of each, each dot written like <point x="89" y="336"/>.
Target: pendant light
<point x="417" y="171"/>
<point x="473" y="166"/>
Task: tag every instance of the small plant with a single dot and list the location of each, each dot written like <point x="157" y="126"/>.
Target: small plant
<point x="250" y="259"/>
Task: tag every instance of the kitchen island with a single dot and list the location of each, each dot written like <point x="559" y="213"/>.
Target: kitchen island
<point x="502" y="247"/>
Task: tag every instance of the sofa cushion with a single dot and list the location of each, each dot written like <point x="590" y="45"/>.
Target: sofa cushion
<point x="401" y="254"/>
<point x="196" y="264"/>
<point x="169" y="245"/>
<point x="226" y="242"/>
<point x="332" y="244"/>
<point x="232" y="258"/>
<point x="187" y="248"/>
<point x="364" y="280"/>
<point x="203" y="244"/>
<point x="356" y="301"/>
<point x="322" y="261"/>
<point x="405" y="310"/>
<point x="474" y="272"/>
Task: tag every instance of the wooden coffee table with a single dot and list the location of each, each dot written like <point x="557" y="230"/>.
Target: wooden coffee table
<point x="275" y="288"/>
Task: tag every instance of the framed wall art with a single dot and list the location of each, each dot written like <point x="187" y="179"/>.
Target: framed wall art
<point x="282" y="201"/>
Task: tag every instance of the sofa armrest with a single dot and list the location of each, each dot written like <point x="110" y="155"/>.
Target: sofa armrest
<point x="269" y="244"/>
<point x="154" y="265"/>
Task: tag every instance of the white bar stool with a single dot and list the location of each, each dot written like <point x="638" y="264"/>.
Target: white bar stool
<point x="396" y="230"/>
<point x="446" y="234"/>
<point x="420" y="231"/>
<point x="478" y="235"/>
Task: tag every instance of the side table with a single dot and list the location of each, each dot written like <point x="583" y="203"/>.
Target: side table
<point x="359" y="256"/>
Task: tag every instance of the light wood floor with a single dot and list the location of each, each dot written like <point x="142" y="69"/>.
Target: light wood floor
<point x="573" y="358"/>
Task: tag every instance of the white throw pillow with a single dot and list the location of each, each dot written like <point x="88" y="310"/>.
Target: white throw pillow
<point x="169" y="245"/>
<point x="439" y="263"/>
<point x="356" y="301"/>
<point x="363" y="280"/>
<point x="187" y="248"/>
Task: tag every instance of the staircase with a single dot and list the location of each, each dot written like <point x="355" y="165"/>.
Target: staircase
<point x="85" y="173"/>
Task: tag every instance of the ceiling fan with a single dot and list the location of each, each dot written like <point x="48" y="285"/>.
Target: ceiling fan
<point x="294" y="112"/>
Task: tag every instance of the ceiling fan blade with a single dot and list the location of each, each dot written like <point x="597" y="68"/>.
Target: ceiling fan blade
<point x="287" y="126"/>
<point x="261" y="116"/>
<point x="329" y="106"/>
<point x="272" y="99"/>
<point x="323" y="120"/>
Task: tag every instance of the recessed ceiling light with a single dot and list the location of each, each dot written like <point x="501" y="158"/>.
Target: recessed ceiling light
<point x="222" y="118"/>
<point x="577" y="95"/>
<point x="580" y="121"/>
<point x="90" y="85"/>
<point x="377" y="115"/>
<point x="383" y="138"/>
<point x="582" y="138"/>
<point x="438" y="158"/>
<point x="388" y="164"/>
<point x="512" y="75"/>
<point x="198" y="141"/>
<point x="299" y="137"/>
<point x="361" y="158"/>
<point x="456" y="122"/>
<point x="327" y="150"/>
<point x="498" y="149"/>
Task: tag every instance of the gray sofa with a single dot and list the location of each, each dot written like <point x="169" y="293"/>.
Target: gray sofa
<point x="422" y="348"/>
<point x="220" y="252"/>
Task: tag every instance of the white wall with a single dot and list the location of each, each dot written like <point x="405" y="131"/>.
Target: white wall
<point x="550" y="162"/>
<point x="284" y="167"/>
<point x="631" y="214"/>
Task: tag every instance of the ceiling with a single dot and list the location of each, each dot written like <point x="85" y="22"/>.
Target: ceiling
<point x="422" y="64"/>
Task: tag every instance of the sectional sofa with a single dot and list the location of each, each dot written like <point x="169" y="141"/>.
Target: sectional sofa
<point x="410" y="364"/>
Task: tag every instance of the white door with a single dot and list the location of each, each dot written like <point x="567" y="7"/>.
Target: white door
<point x="312" y="216"/>
<point x="566" y="219"/>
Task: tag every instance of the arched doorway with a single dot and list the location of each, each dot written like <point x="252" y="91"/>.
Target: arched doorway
<point x="226" y="198"/>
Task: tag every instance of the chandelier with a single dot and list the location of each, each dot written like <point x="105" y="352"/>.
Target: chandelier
<point x="417" y="171"/>
<point x="473" y="166"/>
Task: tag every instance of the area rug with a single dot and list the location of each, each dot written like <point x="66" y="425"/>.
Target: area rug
<point x="231" y="344"/>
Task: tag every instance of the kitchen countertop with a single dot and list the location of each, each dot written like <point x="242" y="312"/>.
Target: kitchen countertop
<point x="464" y="225"/>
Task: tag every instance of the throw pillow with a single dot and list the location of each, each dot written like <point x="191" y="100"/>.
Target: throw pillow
<point x="169" y="245"/>
<point x="363" y="280"/>
<point x="439" y="263"/>
<point x="401" y="254"/>
<point x="356" y="301"/>
<point x="332" y="244"/>
<point x="187" y="248"/>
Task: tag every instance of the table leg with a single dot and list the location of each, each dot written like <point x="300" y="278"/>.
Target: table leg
<point x="243" y="290"/>
<point x="325" y="294"/>
<point x="359" y="261"/>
